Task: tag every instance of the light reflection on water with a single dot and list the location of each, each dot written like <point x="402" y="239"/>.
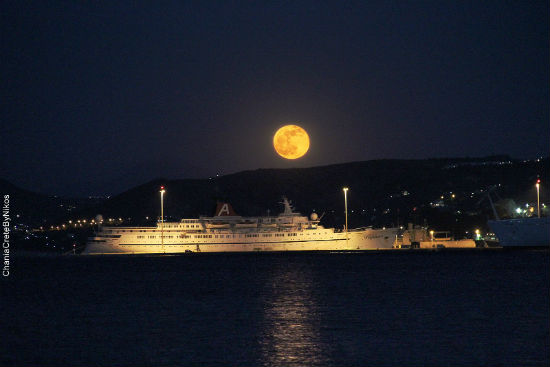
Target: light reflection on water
<point x="290" y="333"/>
<point x="444" y="308"/>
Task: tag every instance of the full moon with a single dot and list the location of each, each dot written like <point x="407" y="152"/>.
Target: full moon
<point x="291" y="142"/>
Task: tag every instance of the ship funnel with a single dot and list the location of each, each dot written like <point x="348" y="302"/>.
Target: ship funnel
<point x="224" y="210"/>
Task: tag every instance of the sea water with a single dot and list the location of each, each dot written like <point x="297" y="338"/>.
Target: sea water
<point x="407" y="308"/>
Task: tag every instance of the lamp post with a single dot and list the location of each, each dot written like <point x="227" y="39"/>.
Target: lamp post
<point x="346" y="211"/>
<point x="538" y="197"/>
<point x="162" y="217"/>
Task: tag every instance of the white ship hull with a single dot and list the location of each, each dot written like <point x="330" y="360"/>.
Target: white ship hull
<point x="369" y="239"/>
<point x="522" y="232"/>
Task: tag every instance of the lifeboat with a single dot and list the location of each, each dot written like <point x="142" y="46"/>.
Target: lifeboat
<point x="246" y="224"/>
<point x="217" y="225"/>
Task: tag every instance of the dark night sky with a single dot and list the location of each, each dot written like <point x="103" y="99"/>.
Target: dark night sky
<point x="99" y="96"/>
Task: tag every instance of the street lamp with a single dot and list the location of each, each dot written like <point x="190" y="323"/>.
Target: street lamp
<point x="162" y="217"/>
<point x="538" y="197"/>
<point x="346" y="211"/>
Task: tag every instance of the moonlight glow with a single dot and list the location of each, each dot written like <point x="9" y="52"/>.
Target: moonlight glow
<point x="291" y="142"/>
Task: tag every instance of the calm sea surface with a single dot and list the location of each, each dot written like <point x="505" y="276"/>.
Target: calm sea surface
<point x="384" y="309"/>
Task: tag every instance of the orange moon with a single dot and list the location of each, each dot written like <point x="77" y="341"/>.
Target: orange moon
<point x="291" y="142"/>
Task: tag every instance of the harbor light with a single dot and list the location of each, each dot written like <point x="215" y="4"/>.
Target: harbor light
<point x="346" y="206"/>
<point x="162" y="191"/>
<point x="346" y="211"/>
<point x="538" y="197"/>
<point x="478" y="235"/>
<point x="432" y="234"/>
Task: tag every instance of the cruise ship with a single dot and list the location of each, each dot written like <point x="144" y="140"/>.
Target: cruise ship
<point x="228" y="232"/>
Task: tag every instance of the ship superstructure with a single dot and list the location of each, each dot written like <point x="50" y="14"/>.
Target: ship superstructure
<point x="228" y="232"/>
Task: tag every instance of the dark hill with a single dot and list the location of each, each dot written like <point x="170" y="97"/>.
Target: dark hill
<point x="36" y="209"/>
<point x="380" y="190"/>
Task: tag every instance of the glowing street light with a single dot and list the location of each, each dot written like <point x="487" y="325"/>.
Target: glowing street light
<point x="538" y="197"/>
<point x="346" y="211"/>
<point x="162" y="191"/>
